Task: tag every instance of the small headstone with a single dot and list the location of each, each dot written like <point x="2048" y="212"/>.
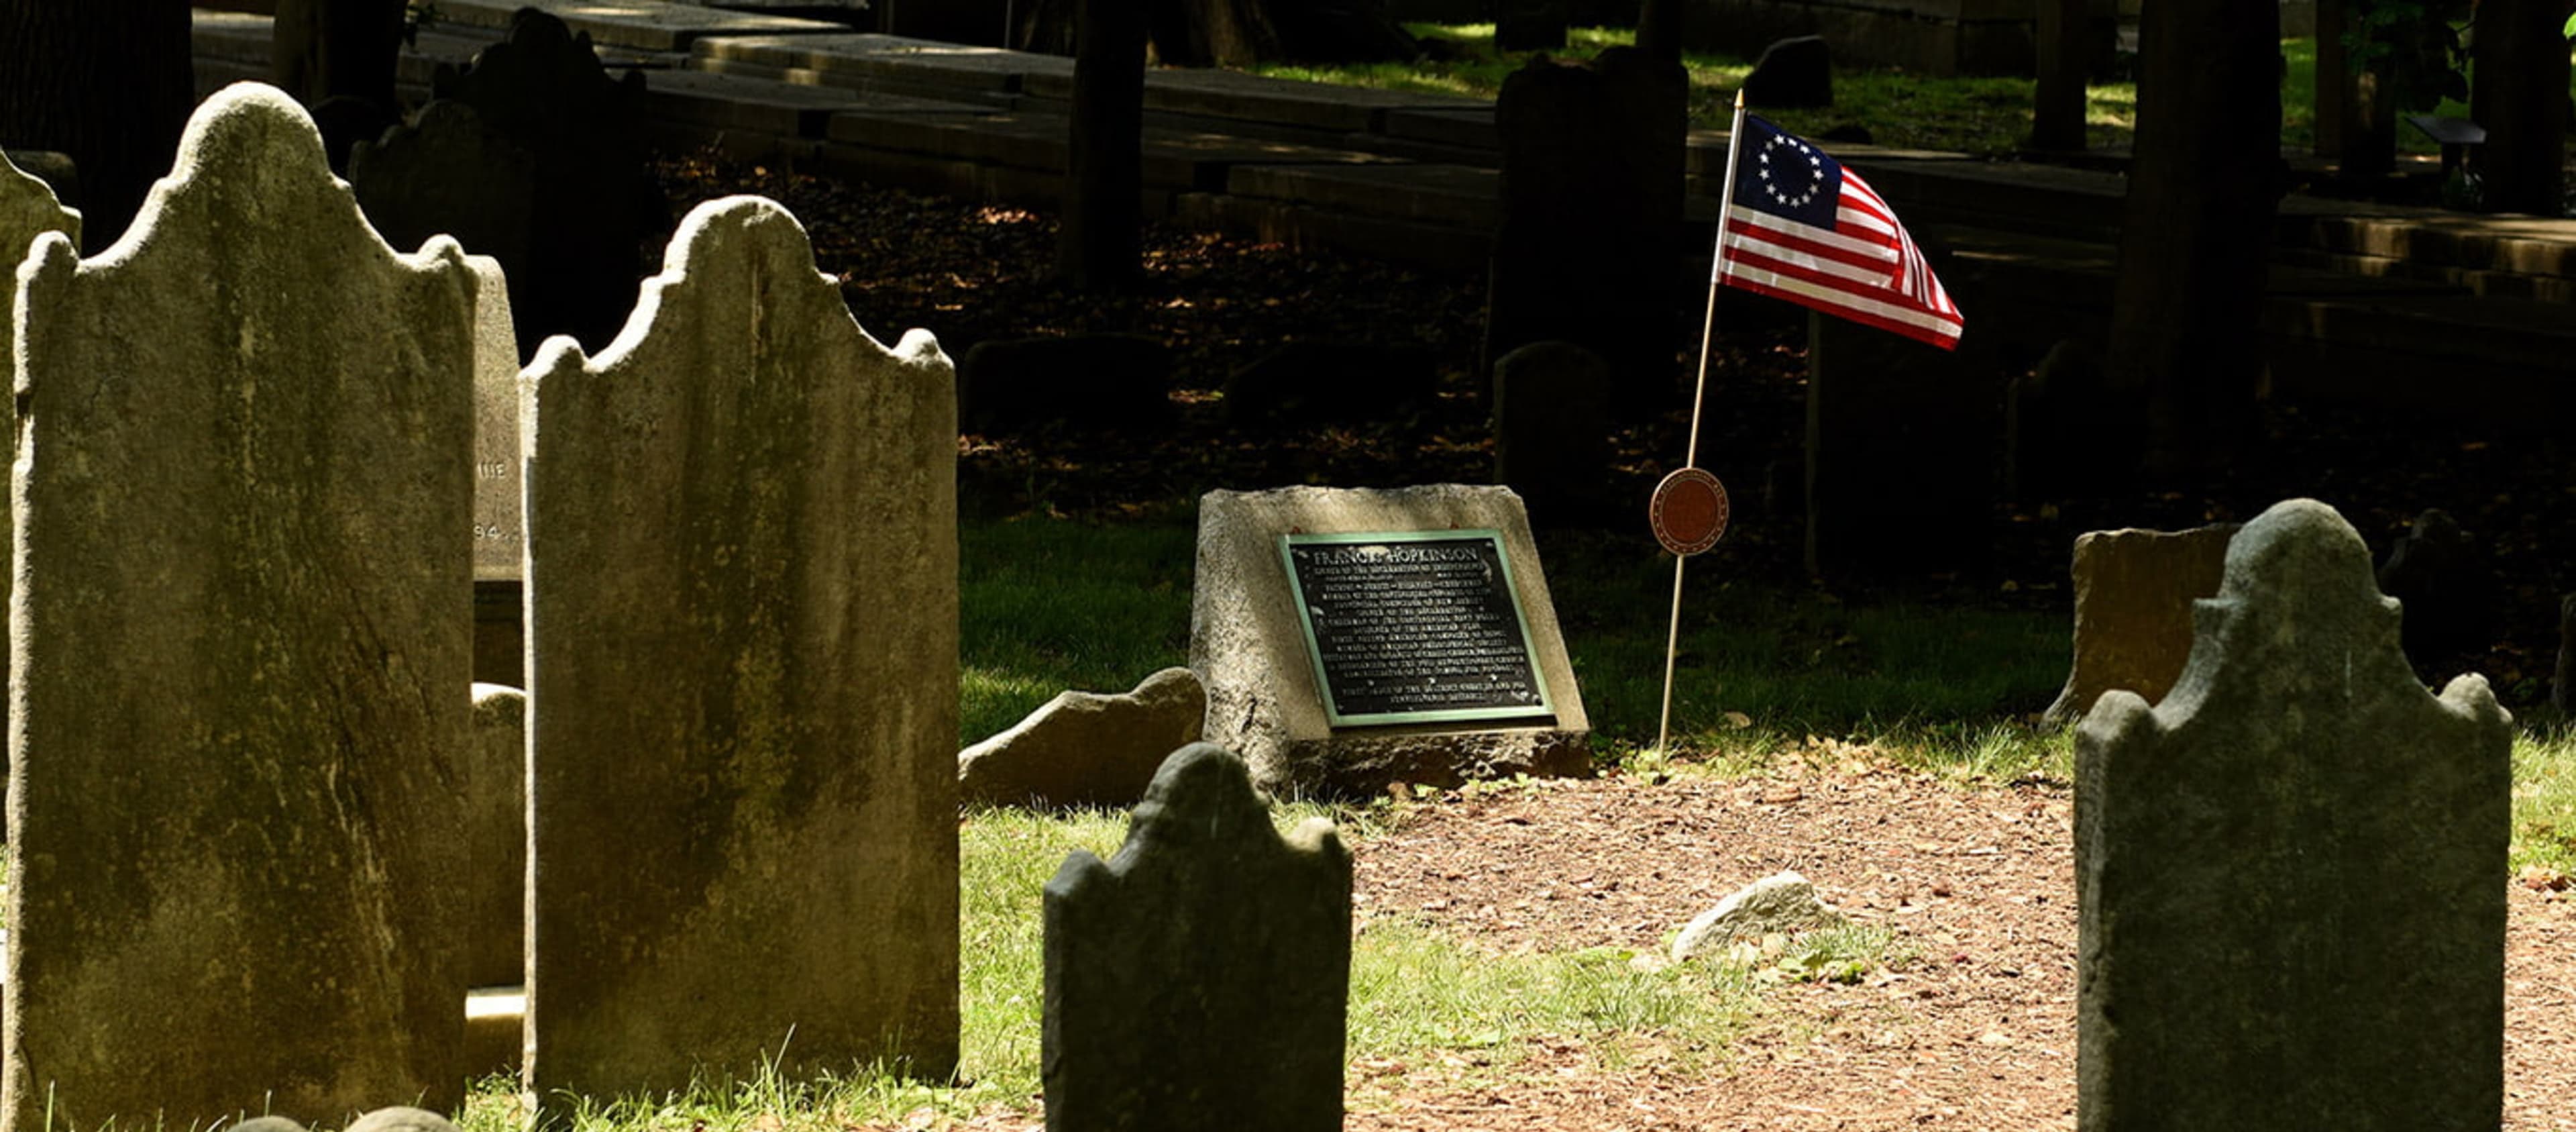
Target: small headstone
<point x="1248" y="643"/>
<point x="742" y="571"/>
<point x="496" y="840"/>
<point x="548" y="173"/>
<point x="1305" y="384"/>
<point x="2291" y="870"/>
<point x="2562" y="681"/>
<point x="243" y="566"/>
<point x="1592" y="184"/>
<point x="2134" y="591"/>
<point x="267" y="1124"/>
<point x="1795" y="73"/>
<point x="1198" y="979"/>
<point x="1119" y="381"/>
<point x="497" y="543"/>
<point x="2447" y="588"/>
<point x="1781" y="902"/>
<point x="1552" y="431"/>
<point x="1086" y="749"/>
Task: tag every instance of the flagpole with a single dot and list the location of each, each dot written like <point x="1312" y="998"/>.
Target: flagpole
<point x="1699" y="391"/>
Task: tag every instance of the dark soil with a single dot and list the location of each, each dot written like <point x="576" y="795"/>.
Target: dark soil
<point x="973" y="272"/>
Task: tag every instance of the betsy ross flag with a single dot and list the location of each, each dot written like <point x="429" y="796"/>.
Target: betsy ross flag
<point x="1801" y="227"/>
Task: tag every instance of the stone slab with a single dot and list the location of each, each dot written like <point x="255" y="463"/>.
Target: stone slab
<point x="28" y="209"/>
<point x="1187" y="160"/>
<point x="742" y="570"/>
<point x="2290" y="871"/>
<point x="867" y="60"/>
<point x="647" y="24"/>
<point x="1198" y="979"/>
<point x="1247" y="646"/>
<point x="1085" y="748"/>
<point x="784" y="108"/>
<point x="243" y="570"/>
<point x="2134" y="594"/>
<point x="1287" y="102"/>
<point x="1471" y="127"/>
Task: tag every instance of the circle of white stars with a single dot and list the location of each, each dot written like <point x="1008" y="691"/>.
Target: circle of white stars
<point x="1815" y="180"/>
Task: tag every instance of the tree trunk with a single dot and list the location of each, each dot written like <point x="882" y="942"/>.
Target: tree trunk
<point x="1099" y="248"/>
<point x="2196" y="229"/>
<point x="109" y="84"/>
<point x="1659" y="29"/>
<point x="2356" y="119"/>
<point x="2521" y="98"/>
<point x="338" y="49"/>
<point x="2057" y="116"/>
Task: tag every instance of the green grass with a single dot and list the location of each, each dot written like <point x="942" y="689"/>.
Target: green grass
<point x="1052" y="605"/>
<point x="2544" y="799"/>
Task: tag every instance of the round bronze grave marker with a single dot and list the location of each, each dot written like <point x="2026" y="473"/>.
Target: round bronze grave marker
<point x="1689" y="511"/>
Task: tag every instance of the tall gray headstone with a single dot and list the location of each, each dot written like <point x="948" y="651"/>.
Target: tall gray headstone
<point x="1198" y="979"/>
<point x="240" y="715"/>
<point x="2292" y="870"/>
<point x="742" y="608"/>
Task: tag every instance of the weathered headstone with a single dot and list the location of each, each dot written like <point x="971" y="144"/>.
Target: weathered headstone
<point x="1792" y="73"/>
<point x="243" y="565"/>
<point x="500" y="637"/>
<point x="742" y="611"/>
<point x="496" y="840"/>
<point x="2291" y="870"/>
<point x="1087" y="749"/>
<point x="548" y="173"/>
<point x="1198" y="979"/>
<point x="1591" y="217"/>
<point x="1248" y="643"/>
<point x="2447" y="587"/>
<point x="1552" y="431"/>
<point x="2134" y="591"/>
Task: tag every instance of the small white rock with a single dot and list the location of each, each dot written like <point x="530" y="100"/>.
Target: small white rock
<point x="1783" y="902"/>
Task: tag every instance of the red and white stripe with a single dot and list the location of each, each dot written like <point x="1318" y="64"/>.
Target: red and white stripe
<point x="1865" y="268"/>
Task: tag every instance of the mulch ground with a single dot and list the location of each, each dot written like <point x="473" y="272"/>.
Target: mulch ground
<point x="1976" y="1029"/>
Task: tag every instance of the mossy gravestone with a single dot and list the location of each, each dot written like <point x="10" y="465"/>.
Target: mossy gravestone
<point x="242" y="625"/>
<point x="2291" y="871"/>
<point x="28" y="209"/>
<point x="742" y="612"/>
<point x="1198" y="979"/>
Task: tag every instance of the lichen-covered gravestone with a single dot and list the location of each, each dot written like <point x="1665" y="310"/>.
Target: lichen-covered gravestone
<point x="496" y="839"/>
<point x="742" y="610"/>
<point x="241" y="616"/>
<point x="2291" y="869"/>
<point x="1198" y="979"/>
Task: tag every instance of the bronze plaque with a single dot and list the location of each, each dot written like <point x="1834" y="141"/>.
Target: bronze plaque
<point x="1414" y="627"/>
<point x="1689" y="511"/>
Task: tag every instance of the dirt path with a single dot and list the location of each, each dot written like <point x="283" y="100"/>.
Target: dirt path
<point x="1976" y="1031"/>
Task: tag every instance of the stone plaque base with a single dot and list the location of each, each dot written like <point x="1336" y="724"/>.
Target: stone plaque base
<point x="1247" y="646"/>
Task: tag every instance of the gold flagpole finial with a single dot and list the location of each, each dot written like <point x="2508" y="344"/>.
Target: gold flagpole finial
<point x="1739" y="98"/>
